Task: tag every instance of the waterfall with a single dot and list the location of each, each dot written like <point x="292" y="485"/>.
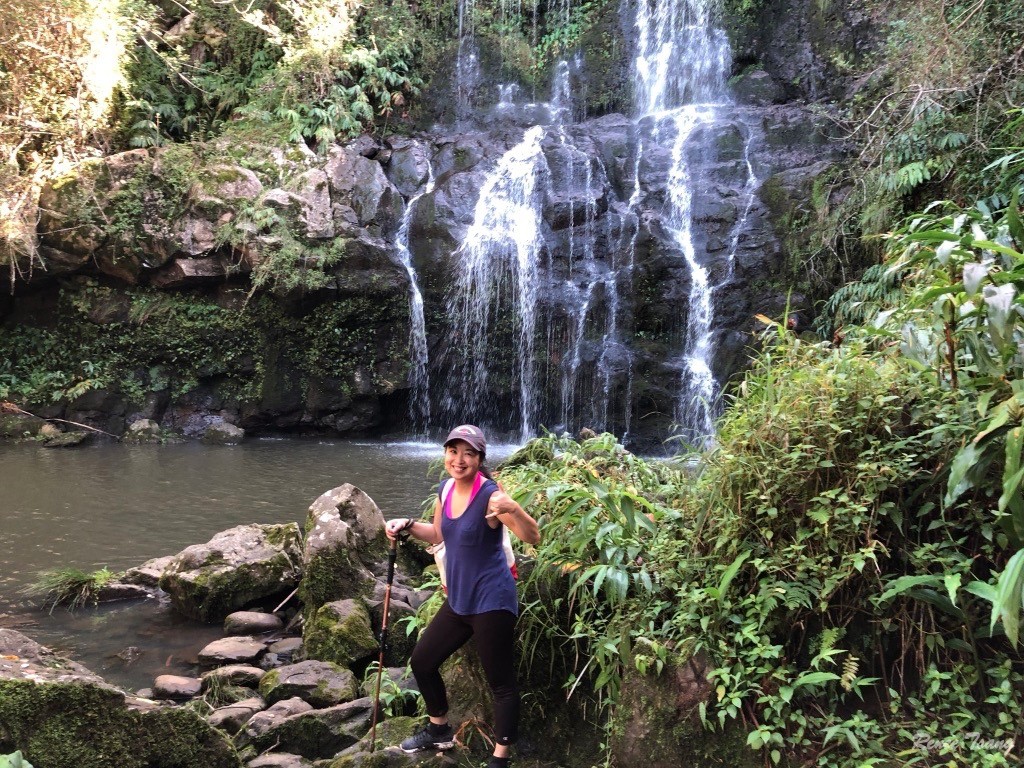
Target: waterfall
<point x="681" y="65"/>
<point x="538" y="308"/>
<point x="467" y="65"/>
<point x="497" y="281"/>
<point x="419" y="399"/>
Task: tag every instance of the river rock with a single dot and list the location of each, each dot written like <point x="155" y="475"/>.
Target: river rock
<point x="263" y="721"/>
<point x="320" y="683"/>
<point x="119" y="590"/>
<point x="231" y="650"/>
<point x="232" y="717"/>
<point x="19" y="425"/>
<point x="233" y="674"/>
<point x="344" y="540"/>
<point x="318" y="733"/>
<point x="251" y="623"/>
<point x="223" y="433"/>
<point x="400" y="643"/>
<point x="340" y="632"/>
<point x="286" y="647"/>
<point x="234" y="569"/>
<point x="148" y="574"/>
<point x="68" y="439"/>
<point x="143" y="431"/>
<point x="58" y="714"/>
<point x="176" y="687"/>
<point x="279" y="760"/>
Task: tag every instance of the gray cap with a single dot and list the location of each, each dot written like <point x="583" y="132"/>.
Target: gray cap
<point x="467" y="433"/>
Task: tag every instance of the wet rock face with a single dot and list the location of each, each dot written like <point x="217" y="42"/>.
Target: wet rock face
<point x="613" y="286"/>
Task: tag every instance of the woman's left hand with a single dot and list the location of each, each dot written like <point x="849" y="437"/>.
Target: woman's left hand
<point x="500" y="503"/>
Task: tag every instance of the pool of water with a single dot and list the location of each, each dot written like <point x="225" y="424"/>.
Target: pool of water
<point x="116" y="506"/>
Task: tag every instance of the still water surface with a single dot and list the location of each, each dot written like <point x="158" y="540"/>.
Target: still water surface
<point x="117" y="506"/>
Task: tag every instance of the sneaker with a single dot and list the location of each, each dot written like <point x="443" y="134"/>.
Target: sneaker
<point x="424" y="740"/>
<point x="499" y="762"/>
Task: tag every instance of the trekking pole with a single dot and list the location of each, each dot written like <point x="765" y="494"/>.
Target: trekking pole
<point x="392" y="552"/>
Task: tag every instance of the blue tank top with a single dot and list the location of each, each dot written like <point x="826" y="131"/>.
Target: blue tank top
<point x="478" y="576"/>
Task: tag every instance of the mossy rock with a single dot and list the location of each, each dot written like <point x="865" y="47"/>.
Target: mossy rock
<point x="81" y="725"/>
<point x="234" y="569"/>
<point x="339" y="632"/>
<point x="655" y="723"/>
<point x="344" y="543"/>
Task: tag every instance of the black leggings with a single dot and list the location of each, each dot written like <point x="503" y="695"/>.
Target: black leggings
<point x="495" y="645"/>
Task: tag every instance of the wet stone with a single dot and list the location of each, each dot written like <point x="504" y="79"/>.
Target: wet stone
<point x="231" y="650"/>
<point x="232" y="717"/>
<point x="251" y="623"/>
<point x="263" y="721"/>
<point x="233" y="674"/>
<point x="286" y="648"/>
<point x="176" y="687"/>
<point x="279" y="760"/>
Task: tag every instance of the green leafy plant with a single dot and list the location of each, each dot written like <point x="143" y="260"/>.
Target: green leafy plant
<point x="395" y="701"/>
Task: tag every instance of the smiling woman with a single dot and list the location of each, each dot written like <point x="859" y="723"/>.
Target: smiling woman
<point x="470" y="515"/>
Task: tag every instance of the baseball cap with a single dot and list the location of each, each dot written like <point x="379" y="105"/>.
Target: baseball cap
<point x="469" y="434"/>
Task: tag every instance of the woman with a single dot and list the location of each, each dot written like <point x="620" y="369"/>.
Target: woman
<point x="482" y="600"/>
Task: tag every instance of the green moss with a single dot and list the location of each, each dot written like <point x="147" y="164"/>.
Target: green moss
<point x="328" y="637"/>
<point x="79" y="725"/>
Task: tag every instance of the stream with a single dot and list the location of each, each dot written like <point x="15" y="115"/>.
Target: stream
<point x="116" y="506"/>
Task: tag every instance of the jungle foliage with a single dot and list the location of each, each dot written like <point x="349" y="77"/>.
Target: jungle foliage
<point x="809" y="556"/>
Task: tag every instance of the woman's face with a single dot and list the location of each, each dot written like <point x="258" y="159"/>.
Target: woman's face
<point x="461" y="461"/>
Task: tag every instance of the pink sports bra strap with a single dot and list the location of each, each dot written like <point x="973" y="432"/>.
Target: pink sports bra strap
<point x="446" y="493"/>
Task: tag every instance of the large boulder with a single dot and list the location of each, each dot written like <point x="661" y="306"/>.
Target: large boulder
<point x="344" y="545"/>
<point x="236" y="568"/>
<point x="61" y="715"/>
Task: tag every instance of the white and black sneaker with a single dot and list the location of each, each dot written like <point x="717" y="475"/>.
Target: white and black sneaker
<point x="432" y="737"/>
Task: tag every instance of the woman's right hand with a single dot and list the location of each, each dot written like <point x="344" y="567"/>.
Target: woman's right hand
<point x="394" y="528"/>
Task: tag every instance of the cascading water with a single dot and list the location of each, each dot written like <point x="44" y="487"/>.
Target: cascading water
<point x="541" y="308"/>
<point x="419" y="399"/>
<point x="502" y="247"/>
<point x="680" y="68"/>
<point x="467" y="65"/>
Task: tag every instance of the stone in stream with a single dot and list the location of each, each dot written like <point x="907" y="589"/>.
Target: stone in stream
<point x="234" y="569"/>
<point x="232" y="717"/>
<point x="286" y="648"/>
<point x="279" y="760"/>
<point x="344" y="545"/>
<point x="233" y="674"/>
<point x="263" y="721"/>
<point x="222" y="433"/>
<point x="176" y="687"/>
<point x="251" y="623"/>
<point x="148" y="574"/>
<point x="231" y="650"/>
<point x="320" y="683"/>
